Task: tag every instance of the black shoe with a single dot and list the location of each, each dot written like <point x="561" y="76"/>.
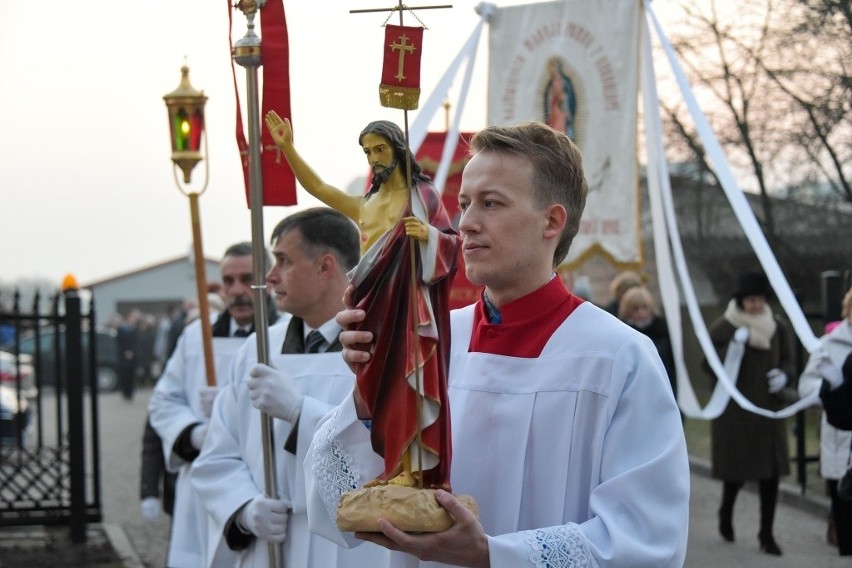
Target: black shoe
<point x="726" y="528"/>
<point x="768" y="545"/>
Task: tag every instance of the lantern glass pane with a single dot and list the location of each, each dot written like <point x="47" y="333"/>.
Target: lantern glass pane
<point x="181" y="130"/>
<point x="195" y="131"/>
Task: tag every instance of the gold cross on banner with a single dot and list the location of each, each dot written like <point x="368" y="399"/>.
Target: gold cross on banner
<point x="277" y="151"/>
<point x="402" y="47"/>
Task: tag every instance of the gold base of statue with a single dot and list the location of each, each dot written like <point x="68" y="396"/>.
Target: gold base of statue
<point x="407" y="508"/>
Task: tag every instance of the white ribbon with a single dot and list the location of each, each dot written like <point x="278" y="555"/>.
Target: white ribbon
<point x="420" y="125"/>
<point x="452" y="139"/>
<point x="667" y="241"/>
<point x="418" y="130"/>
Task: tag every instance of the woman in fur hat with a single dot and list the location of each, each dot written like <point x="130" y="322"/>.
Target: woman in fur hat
<point x="747" y="446"/>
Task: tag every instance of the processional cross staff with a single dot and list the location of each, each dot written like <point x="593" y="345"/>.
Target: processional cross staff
<point x="406" y="103"/>
<point x="247" y="53"/>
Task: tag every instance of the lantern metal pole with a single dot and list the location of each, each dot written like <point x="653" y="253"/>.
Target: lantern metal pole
<point x="247" y="53"/>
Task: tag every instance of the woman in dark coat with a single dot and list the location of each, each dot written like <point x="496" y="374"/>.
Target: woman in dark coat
<point x="747" y="446"/>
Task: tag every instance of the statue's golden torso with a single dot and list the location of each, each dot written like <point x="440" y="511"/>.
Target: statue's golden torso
<point x="379" y="213"/>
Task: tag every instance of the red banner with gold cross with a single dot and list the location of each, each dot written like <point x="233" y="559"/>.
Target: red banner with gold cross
<point x="400" y="86"/>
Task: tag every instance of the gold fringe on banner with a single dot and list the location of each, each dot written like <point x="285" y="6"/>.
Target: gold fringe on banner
<point x="405" y="98"/>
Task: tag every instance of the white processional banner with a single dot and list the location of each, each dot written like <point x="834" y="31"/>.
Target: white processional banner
<point x="574" y="65"/>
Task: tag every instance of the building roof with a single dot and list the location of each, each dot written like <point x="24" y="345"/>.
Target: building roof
<point x="137" y="271"/>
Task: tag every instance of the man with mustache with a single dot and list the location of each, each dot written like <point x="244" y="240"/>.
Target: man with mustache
<point x="405" y="231"/>
<point x="181" y="403"/>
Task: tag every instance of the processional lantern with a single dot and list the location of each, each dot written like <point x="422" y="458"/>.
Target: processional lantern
<point x="185" y="106"/>
<point x="186" y="124"/>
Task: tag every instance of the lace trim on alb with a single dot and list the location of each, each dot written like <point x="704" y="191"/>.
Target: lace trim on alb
<point x="562" y="546"/>
<point x="333" y="468"/>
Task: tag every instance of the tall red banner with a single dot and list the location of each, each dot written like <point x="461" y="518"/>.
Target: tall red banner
<point x="279" y="183"/>
<point x="464" y="292"/>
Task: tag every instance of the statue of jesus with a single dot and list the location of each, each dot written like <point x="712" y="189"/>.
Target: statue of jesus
<point x="405" y="380"/>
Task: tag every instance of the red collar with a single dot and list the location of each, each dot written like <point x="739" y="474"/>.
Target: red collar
<point x="528" y="322"/>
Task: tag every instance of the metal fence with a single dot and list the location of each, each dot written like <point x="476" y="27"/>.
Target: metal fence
<point x="49" y="453"/>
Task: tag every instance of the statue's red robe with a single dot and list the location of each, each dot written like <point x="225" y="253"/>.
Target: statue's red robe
<point x="388" y="383"/>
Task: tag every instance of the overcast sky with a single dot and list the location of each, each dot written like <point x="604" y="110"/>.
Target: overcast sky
<point x="85" y="170"/>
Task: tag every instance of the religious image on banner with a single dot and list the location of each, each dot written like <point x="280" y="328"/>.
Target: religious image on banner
<point x="574" y="65"/>
<point x="559" y="101"/>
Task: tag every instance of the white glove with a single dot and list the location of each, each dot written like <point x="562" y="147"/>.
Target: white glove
<point x="777" y="380"/>
<point x="196" y="437"/>
<point x="274" y="393"/>
<point x="741" y="335"/>
<point x="150" y="508"/>
<point x="207" y="395"/>
<point x="265" y="518"/>
<point x="829" y="371"/>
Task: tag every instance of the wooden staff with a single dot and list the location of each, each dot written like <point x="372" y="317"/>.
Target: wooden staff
<point x="201" y="284"/>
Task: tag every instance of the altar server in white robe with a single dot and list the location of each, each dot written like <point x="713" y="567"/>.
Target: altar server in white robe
<point x="564" y="427"/>
<point x="306" y="377"/>
<point x="181" y="402"/>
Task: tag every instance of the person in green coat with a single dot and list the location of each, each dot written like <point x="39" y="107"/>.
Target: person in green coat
<point x="747" y="446"/>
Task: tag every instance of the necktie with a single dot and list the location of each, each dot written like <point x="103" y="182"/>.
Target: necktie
<point x="313" y="342"/>
<point x="241" y="332"/>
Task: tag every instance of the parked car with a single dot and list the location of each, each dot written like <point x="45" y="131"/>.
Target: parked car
<point x="106" y="368"/>
<point x="14" y="371"/>
<point x="14" y="415"/>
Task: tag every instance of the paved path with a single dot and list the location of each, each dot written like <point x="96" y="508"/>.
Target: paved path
<point x="122" y="425"/>
<point x="800" y="531"/>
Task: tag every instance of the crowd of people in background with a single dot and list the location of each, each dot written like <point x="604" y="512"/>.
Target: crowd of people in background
<point x="145" y="341"/>
<point x="747" y="447"/>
